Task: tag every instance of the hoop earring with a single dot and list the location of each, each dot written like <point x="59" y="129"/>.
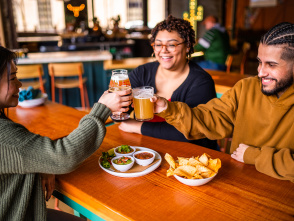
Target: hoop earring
<point x="188" y="57"/>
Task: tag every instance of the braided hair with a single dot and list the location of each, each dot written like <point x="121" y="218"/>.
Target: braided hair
<point x="283" y="35"/>
<point x="179" y="25"/>
<point x="6" y="56"/>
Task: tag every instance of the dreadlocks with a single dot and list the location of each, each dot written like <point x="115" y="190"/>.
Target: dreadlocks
<point x="283" y="35"/>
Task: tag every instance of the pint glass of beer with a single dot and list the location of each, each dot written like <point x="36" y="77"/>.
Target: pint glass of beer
<point x="119" y="82"/>
<point x="143" y="107"/>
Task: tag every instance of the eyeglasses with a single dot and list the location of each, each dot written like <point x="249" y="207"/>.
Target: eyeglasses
<point x="171" y="47"/>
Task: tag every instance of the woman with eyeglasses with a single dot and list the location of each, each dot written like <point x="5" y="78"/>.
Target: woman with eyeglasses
<point x="173" y="77"/>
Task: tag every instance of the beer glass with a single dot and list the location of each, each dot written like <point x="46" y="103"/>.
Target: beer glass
<point x="143" y="107"/>
<point x="119" y="82"/>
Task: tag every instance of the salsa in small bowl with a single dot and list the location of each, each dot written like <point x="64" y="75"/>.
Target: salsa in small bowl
<point x="144" y="157"/>
<point x="124" y="150"/>
<point x="123" y="163"/>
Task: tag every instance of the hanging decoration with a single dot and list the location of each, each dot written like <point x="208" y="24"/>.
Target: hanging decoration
<point x="76" y="9"/>
<point x="194" y="15"/>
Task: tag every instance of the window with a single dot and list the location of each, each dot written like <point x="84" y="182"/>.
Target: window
<point x="36" y="15"/>
<point x="130" y="11"/>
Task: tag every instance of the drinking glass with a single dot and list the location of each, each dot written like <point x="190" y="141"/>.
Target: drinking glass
<point x="119" y="82"/>
<point x="143" y="107"/>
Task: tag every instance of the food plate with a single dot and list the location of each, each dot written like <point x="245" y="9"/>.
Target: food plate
<point x="137" y="174"/>
<point x="33" y="102"/>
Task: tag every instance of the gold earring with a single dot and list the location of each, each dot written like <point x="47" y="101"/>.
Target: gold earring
<point x="153" y="55"/>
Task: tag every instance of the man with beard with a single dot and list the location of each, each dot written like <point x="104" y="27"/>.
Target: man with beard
<point x="258" y="112"/>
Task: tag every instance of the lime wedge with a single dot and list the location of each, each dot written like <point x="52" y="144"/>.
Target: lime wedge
<point x="111" y="152"/>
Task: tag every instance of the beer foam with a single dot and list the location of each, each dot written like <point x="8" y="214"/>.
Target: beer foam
<point x="120" y="77"/>
<point x="143" y="95"/>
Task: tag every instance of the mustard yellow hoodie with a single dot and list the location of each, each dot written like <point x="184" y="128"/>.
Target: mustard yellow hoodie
<point x="265" y="123"/>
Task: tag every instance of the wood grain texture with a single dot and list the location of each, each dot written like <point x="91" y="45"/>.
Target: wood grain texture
<point x="51" y="119"/>
<point x="226" y="79"/>
<point x="238" y="192"/>
<point x="127" y="63"/>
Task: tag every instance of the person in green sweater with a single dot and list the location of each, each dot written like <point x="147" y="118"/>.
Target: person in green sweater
<point x="215" y="44"/>
<point x="258" y="112"/>
<point x="25" y="155"/>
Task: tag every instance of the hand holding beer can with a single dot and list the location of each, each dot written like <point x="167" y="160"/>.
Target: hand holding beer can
<point x="143" y="107"/>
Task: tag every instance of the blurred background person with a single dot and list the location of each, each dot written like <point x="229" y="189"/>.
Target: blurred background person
<point x="215" y="44"/>
<point x="173" y="77"/>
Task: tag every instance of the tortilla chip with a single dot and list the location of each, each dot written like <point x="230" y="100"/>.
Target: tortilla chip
<point x="170" y="160"/>
<point x="188" y="170"/>
<point x="204" y="159"/>
<point x="207" y="174"/>
<point x="214" y="164"/>
<point x="197" y="176"/>
<point x="170" y="172"/>
<point x="202" y="169"/>
<point x="183" y="161"/>
<point x="193" y="162"/>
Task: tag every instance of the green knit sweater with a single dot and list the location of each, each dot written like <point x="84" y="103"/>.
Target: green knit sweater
<point x="265" y="123"/>
<point x="24" y="154"/>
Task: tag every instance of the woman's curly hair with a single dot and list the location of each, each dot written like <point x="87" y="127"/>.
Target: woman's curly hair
<point x="179" y="25"/>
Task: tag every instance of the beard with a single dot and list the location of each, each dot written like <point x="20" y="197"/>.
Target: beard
<point x="281" y="85"/>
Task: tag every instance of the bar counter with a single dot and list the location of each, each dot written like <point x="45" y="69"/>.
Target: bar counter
<point x="65" y="56"/>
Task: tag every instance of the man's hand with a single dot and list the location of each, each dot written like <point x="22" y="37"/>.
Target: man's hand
<point x="48" y="184"/>
<point x="160" y="103"/>
<point x="239" y="152"/>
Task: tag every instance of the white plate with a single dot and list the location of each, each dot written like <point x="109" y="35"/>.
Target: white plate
<point x="33" y="102"/>
<point x="137" y="174"/>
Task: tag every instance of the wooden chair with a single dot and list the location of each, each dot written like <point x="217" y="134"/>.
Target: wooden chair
<point x="31" y="75"/>
<point x="68" y="75"/>
<point x="229" y="63"/>
<point x="238" y="60"/>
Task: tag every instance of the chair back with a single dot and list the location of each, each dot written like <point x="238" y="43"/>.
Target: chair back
<point x="26" y="72"/>
<point x="66" y="69"/>
<point x="237" y="61"/>
<point x="245" y="49"/>
<point x="29" y="71"/>
<point x="229" y="63"/>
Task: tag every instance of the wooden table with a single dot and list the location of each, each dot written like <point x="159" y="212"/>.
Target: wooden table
<point x="53" y="120"/>
<point x="225" y="81"/>
<point x="238" y="192"/>
<point x="127" y="63"/>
